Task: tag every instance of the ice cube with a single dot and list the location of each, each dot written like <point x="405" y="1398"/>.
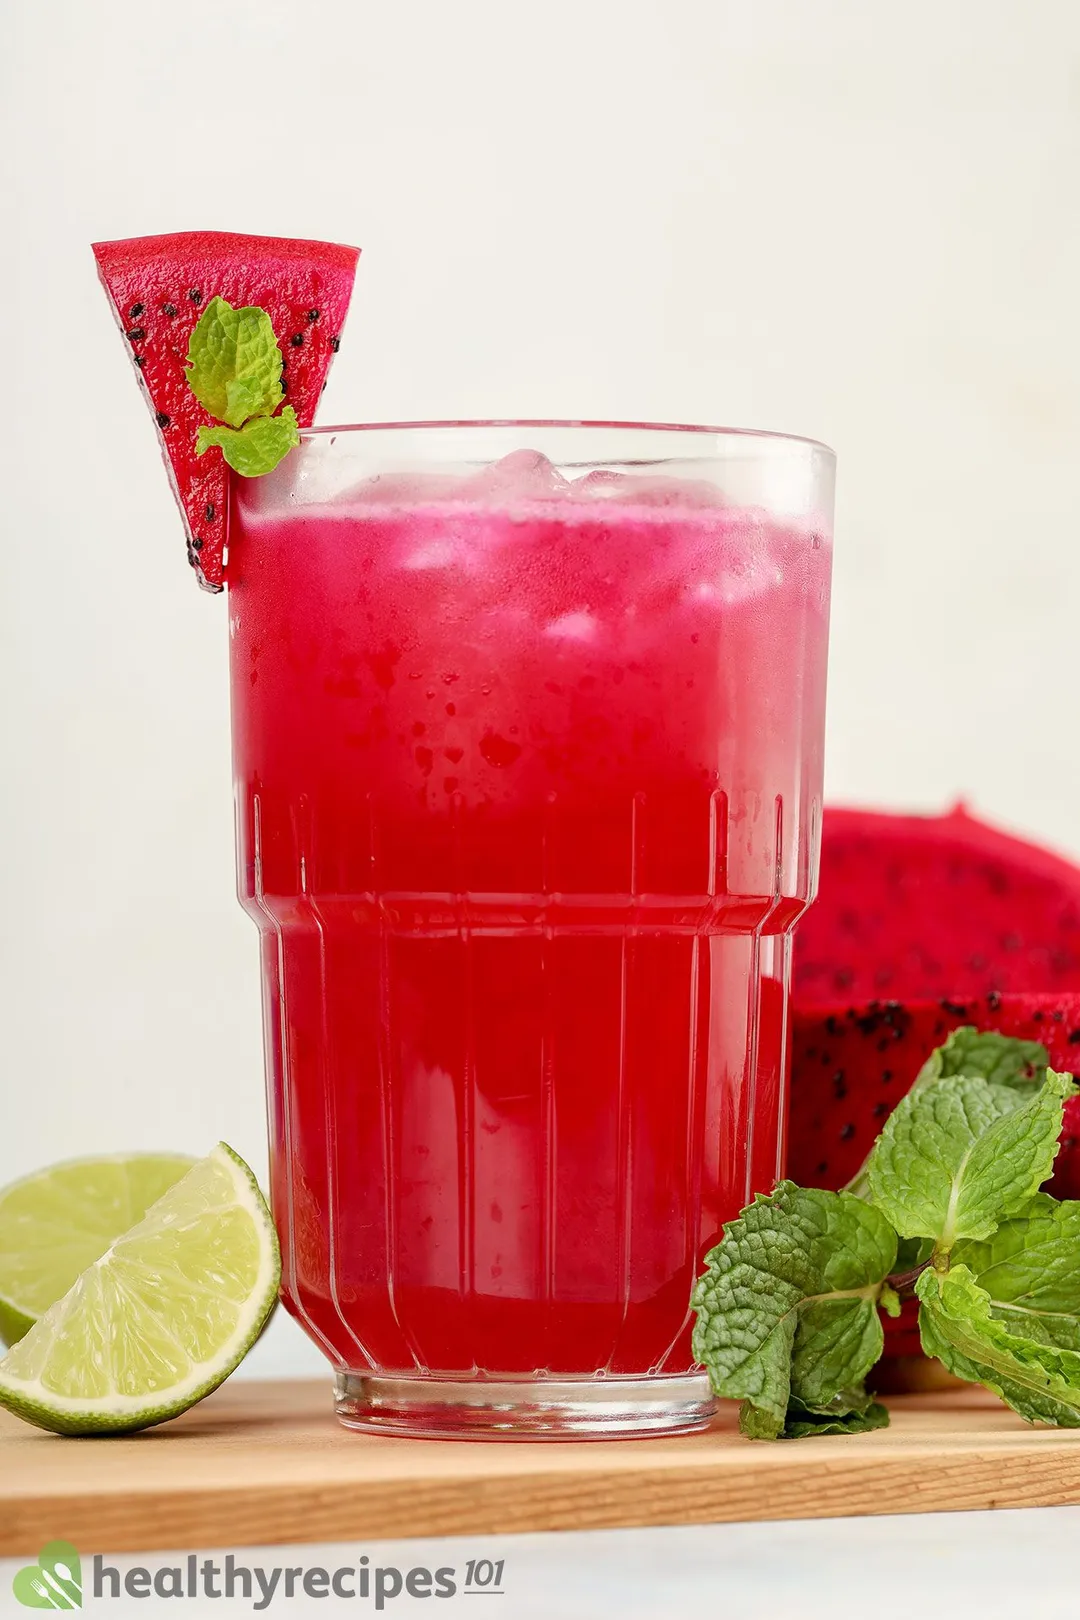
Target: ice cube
<point x="440" y="537"/>
<point x="524" y="475"/>
<point x="648" y="489"/>
<point x="434" y="554"/>
<point x="742" y="561"/>
<point x="603" y="484"/>
<point x="580" y="626"/>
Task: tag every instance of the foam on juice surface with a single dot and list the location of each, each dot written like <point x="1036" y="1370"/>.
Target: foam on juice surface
<point x="625" y="543"/>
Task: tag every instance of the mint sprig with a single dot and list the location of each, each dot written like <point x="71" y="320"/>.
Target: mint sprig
<point x="234" y="367"/>
<point x="947" y="1207"/>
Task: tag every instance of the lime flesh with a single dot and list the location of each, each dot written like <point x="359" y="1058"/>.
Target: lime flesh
<point x="56" y="1223"/>
<point x="159" y="1319"/>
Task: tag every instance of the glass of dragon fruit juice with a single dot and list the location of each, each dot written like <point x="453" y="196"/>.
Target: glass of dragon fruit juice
<point x="528" y="724"/>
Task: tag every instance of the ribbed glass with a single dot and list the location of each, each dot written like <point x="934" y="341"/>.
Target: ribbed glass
<point x="528" y="727"/>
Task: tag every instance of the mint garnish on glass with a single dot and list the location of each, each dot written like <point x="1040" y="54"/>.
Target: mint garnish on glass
<point x="947" y="1206"/>
<point x="234" y="371"/>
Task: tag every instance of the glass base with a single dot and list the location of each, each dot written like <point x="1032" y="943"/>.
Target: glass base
<point x="524" y="1408"/>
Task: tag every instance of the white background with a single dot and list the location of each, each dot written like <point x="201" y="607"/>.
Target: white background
<point x="847" y="218"/>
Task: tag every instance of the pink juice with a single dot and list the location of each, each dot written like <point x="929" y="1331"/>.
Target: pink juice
<point x="528" y="776"/>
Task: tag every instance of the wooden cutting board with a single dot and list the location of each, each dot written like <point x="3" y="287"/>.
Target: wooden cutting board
<point x="260" y="1463"/>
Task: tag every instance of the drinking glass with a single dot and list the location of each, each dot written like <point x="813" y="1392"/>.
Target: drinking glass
<point x="528" y="723"/>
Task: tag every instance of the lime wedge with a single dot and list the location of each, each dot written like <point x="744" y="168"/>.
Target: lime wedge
<point x="56" y="1223"/>
<point x="161" y="1318"/>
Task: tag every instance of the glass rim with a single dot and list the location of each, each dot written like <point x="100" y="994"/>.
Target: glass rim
<point x="766" y="435"/>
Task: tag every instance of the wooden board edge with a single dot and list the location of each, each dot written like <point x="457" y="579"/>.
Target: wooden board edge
<point x="366" y="1511"/>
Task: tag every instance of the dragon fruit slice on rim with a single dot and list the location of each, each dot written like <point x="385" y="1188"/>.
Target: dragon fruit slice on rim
<point x="159" y="286"/>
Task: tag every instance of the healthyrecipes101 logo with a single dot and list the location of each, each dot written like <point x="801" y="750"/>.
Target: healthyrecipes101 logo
<point x="55" y="1581"/>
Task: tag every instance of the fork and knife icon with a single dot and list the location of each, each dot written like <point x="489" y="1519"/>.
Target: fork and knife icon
<point x="54" y="1582"/>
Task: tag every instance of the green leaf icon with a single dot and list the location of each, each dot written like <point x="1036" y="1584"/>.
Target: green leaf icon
<point x="54" y="1582"/>
<point x="234" y="363"/>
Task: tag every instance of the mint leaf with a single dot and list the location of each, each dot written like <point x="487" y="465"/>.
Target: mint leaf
<point x="1017" y="1067"/>
<point x="257" y="447"/>
<point x="1038" y="1378"/>
<point x="960" y="1156"/>
<point x="760" y="1422"/>
<point x="983" y="1053"/>
<point x="234" y="363"/>
<point x="1030" y="1268"/>
<point x="852" y="1413"/>
<point x="923" y="1152"/>
<point x="836" y="1344"/>
<point x="801" y="1422"/>
<point x="787" y="1305"/>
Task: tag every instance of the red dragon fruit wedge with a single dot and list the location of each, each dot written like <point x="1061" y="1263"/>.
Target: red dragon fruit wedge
<point x="851" y="1066"/>
<point x="931" y="906"/>
<point x="923" y="924"/>
<point x="159" y="286"/>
